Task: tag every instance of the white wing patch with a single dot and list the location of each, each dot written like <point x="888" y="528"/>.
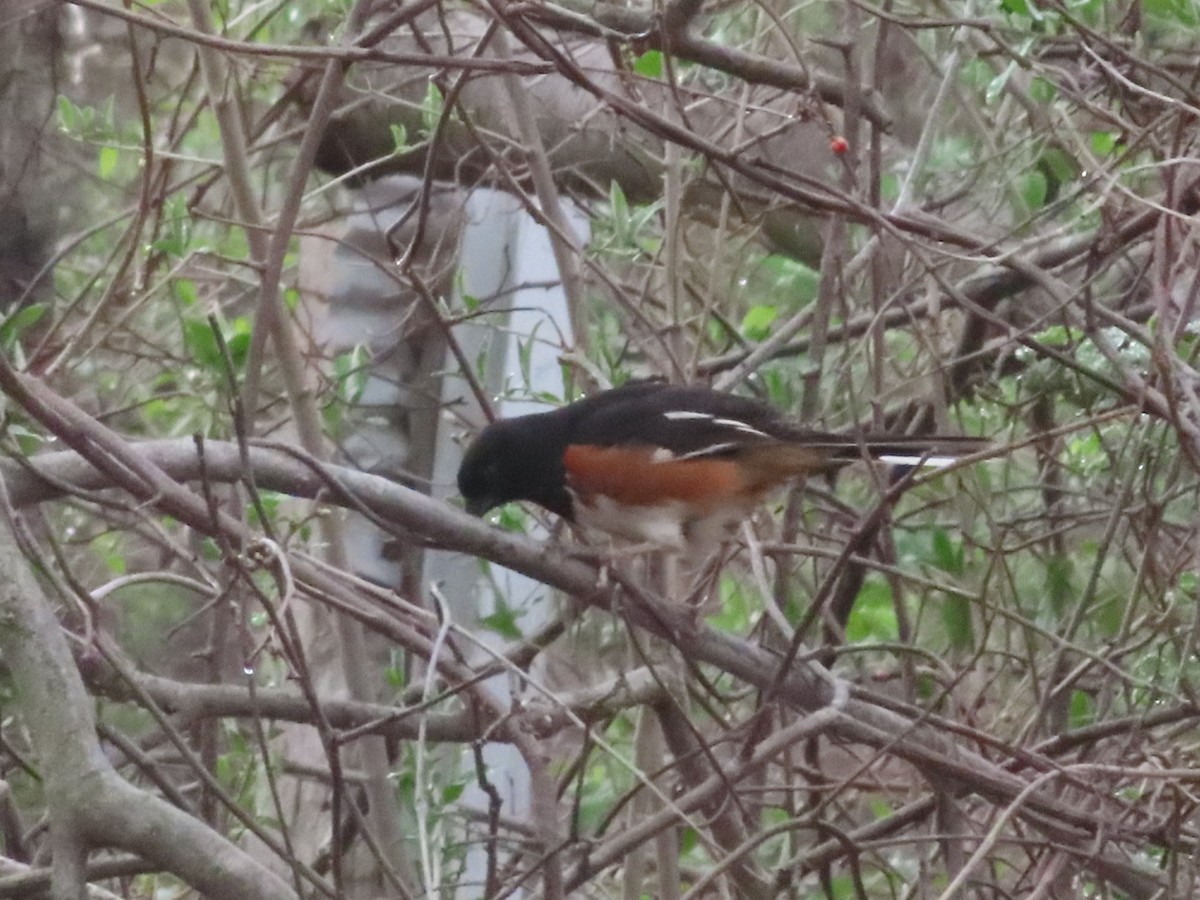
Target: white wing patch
<point x="738" y="425"/>
<point x="710" y="450"/>
<point x="662" y="455"/>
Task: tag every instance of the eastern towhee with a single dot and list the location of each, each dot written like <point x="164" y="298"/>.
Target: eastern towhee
<point x="672" y="465"/>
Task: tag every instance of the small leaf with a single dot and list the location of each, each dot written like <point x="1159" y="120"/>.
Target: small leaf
<point x="107" y="163"/>
<point x="956" y="616"/>
<point x="200" y="342"/>
<point x="17" y="322"/>
<point x="649" y="64"/>
<point x="1043" y="90"/>
<point x="996" y="86"/>
<point x="511" y="518"/>
<point x="352" y="373"/>
<point x="733" y="613"/>
<point x="237" y="340"/>
<point x="1034" y="188"/>
<point x="1082" y="709"/>
<point x="184" y="290"/>
<point x="68" y="115"/>
<point x="792" y="279"/>
<point x="1107" y="616"/>
<point x="431" y="108"/>
<point x="619" y="205"/>
<point x="756" y="324"/>
<point x="399" y="139"/>
<point x="115" y="562"/>
<point x="1058" y="165"/>
<point x="525" y="355"/>
<point x="503" y="622"/>
<point x="1103" y="142"/>
<point x="1173" y="12"/>
<point x="946" y="556"/>
<point x="1059" y="336"/>
<point x="873" y="617"/>
<point x="1059" y="588"/>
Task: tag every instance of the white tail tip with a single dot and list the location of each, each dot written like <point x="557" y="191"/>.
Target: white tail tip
<point x="914" y="459"/>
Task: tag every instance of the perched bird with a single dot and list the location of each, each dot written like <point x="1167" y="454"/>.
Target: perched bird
<point x="668" y="464"/>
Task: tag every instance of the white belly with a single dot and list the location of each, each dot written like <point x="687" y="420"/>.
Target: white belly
<point x="645" y="524"/>
<point x="674" y="525"/>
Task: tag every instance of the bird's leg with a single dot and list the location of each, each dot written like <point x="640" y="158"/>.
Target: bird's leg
<point x="605" y="558"/>
<point x="705" y="584"/>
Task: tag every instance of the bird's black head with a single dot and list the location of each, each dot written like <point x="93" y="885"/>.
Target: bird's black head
<point x="515" y="459"/>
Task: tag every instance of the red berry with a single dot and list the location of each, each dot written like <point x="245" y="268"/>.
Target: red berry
<point x="839" y="144"/>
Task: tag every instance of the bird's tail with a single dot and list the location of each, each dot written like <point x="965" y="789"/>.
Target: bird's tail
<point x="915" y="450"/>
<point x="808" y="454"/>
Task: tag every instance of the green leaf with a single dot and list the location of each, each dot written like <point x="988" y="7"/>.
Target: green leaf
<point x="1103" y="142"/>
<point x="177" y="228"/>
<point x="756" y="324"/>
<point x="1015" y="7"/>
<point x="511" y="518"/>
<point x="350" y="369"/>
<point x="873" y="617"/>
<point x="1108" y="615"/>
<point x="201" y="343"/>
<point x="1172" y="12"/>
<point x="452" y="792"/>
<point x="1059" y="336"/>
<point x="1059" y="583"/>
<point x="399" y="139"/>
<point x="238" y="343"/>
<point x="431" y="107"/>
<point x="107" y="163"/>
<point x="889" y="186"/>
<point x="649" y="64"/>
<point x="1083" y="709"/>
<point x="792" y="279"/>
<point x="619" y="205"/>
<point x="946" y="556"/>
<point x="69" y="116"/>
<point x="16" y="322"/>
<point x="956" y="616"/>
<point x="1058" y="165"/>
<point x="1188" y="582"/>
<point x="184" y="290"/>
<point x="996" y="86"/>
<point x="1042" y="90"/>
<point x="503" y="621"/>
<point x="733" y="613"/>
<point x="1033" y="188"/>
<point x="525" y="359"/>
